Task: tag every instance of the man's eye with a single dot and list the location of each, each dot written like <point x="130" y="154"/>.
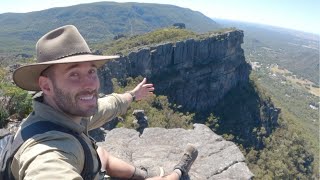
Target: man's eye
<point x="74" y="74"/>
<point x="92" y="71"/>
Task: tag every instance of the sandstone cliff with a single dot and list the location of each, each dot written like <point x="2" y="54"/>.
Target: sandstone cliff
<point x="195" y="73"/>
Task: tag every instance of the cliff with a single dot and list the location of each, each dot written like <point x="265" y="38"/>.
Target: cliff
<point x="195" y="73"/>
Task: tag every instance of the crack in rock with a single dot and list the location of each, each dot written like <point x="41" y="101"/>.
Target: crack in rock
<point x="226" y="168"/>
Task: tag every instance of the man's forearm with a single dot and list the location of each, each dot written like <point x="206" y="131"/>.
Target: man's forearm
<point x="127" y="96"/>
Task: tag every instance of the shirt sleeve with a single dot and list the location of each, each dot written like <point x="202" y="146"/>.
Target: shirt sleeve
<point x="109" y="107"/>
<point x="53" y="158"/>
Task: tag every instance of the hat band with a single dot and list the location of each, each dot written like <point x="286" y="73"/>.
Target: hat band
<point x="75" y="54"/>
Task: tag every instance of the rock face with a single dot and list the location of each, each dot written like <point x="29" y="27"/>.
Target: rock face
<point x="158" y="147"/>
<point x="193" y="73"/>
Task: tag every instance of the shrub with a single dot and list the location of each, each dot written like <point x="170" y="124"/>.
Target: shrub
<point x="14" y="101"/>
<point x="159" y="111"/>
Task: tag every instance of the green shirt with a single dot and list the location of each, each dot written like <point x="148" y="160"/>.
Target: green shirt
<point x="57" y="155"/>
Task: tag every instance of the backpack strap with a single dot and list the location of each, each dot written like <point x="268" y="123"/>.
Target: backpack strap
<point x="41" y="127"/>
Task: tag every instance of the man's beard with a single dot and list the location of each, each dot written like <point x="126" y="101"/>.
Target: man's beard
<point x="68" y="103"/>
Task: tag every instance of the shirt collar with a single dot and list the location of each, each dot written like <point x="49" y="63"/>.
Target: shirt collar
<point x="48" y="113"/>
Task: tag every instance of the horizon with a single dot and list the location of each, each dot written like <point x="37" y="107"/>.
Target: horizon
<point x="289" y="14"/>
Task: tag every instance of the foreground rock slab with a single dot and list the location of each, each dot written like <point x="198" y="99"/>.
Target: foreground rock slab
<point x="159" y="147"/>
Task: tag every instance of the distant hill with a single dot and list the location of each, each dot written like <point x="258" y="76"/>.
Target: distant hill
<point x="96" y="21"/>
<point x="293" y="50"/>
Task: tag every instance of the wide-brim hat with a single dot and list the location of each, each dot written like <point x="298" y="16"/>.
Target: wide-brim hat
<point x="60" y="46"/>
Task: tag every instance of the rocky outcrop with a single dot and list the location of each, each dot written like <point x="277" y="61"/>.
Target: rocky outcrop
<point x="158" y="147"/>
<point x="193" y="73"/>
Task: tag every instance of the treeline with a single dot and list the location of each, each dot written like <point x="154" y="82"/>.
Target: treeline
<point x="124" y="45"/>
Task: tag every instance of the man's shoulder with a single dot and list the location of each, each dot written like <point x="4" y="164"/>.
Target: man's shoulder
<point x="52" y="141"/>
<point x="47" y="139"/>
<point x="50" y="147"/>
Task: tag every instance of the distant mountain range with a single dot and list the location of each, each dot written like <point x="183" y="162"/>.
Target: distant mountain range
<point x="96" y="21"/>
<point x="100" y="22"/>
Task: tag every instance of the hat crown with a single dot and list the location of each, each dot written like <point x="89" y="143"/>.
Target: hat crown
<point x="59" y="43"/>
<point x="60" y="46"/>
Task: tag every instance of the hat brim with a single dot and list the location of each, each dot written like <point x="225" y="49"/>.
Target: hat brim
<point x="26" y="77"/>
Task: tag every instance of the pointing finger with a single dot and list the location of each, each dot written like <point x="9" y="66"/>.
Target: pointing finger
<point x="143" y="81"/>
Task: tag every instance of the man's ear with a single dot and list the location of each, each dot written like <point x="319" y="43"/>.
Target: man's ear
<point x="45" y="85"/>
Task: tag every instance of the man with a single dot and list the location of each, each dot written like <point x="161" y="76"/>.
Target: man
<point x="66" y="73"/>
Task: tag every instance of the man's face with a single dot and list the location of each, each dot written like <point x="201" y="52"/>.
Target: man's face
<point x="75" y="88"/>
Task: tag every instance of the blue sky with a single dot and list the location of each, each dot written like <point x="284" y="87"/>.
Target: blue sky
<point x="294" y="14"/>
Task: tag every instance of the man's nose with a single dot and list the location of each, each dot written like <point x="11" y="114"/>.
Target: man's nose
<point x="89" y="82"/>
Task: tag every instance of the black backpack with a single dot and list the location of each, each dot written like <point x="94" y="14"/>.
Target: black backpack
<point x="10" y="145"/>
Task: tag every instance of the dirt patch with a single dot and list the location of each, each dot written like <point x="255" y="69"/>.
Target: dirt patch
<point x="303" y="83"/>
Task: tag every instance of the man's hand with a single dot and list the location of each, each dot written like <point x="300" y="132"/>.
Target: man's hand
<point x="142" y="90"/>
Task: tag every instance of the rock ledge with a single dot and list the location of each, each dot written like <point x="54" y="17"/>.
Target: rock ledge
<point x="159" y="147"/>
